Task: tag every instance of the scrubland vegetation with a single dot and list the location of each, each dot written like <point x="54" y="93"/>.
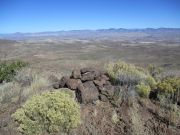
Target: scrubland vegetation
<point x="48" y="113"/>
<point x="145" y="81"/>
<point x="32" y="106"/>
<point x="9" y="69"/>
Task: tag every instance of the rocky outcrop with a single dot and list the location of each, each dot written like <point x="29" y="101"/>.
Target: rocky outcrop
<point x="89" y="85"/>
<point x="88" y="91"/>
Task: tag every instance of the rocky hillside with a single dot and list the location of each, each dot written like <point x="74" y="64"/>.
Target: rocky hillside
<point x="116" y="110"/>
<point x="121" y="99"/>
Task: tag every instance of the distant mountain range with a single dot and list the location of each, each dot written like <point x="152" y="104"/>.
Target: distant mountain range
<point x="165" y="33"/>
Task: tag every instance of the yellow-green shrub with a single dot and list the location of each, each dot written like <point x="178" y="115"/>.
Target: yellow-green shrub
<point x="168" y="91"/>
<point x="151" y="82"/>
<point x="124" y="73"/>
<point x="143" y="90"/>
<point x="169" y="85"/>
<point x="49" y="112"/>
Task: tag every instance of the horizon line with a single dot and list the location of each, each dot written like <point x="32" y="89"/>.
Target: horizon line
<point x="90" y="30"/>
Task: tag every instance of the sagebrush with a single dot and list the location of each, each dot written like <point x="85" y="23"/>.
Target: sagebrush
<point x="49" y="112"/>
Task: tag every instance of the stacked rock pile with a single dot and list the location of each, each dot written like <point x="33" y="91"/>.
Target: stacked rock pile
<point x="89" y="85"/>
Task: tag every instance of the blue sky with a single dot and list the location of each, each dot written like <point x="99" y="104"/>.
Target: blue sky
<point x="54" y="15"/>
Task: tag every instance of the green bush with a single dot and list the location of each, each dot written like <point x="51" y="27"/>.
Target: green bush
<point x="168" y="90"/>
<point x="151" y="82"/>
<point x="49" y="112"/>
<point x="123" y="73"/>
<point x="169" y="85"/>
<point x="8" y="70"/>
<point x="143" y="90"/>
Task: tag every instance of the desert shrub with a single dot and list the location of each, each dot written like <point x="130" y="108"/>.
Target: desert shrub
<point x="32" y="82"/>
<point x="49" y="112"/>
<point x="154" y="70"/>
<point x="123" y="73"/>
<point x="143" y="90"/>
<point x="9" y="93"/>
<point x="151" y="82"/>
<point x="169" y="85"/>
<point x="25" y="77"/>
<point x="168" y="90"/>
<point x="26" y="83"/>
<point x="165" y="87"/>
<point x="9" y="69"/>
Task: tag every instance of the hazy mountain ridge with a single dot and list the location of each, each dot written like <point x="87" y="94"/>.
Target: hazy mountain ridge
<point x="149" y="33"/>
